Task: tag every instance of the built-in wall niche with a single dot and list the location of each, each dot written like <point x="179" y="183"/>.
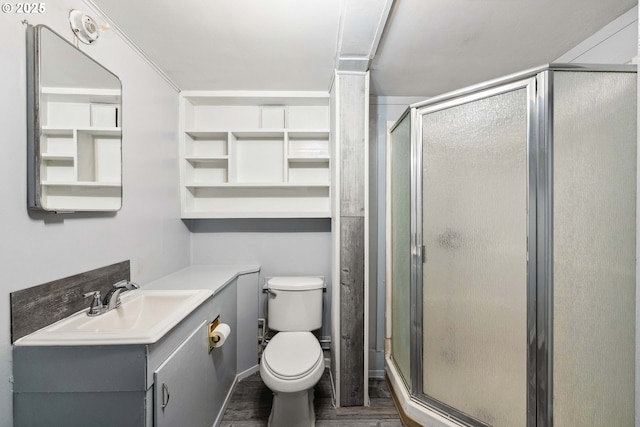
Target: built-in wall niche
<point x="74" y="128"/>
<point x="253" y="154"/>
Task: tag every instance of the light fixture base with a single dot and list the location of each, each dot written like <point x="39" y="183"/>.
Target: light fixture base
<point x="84" y="27"/>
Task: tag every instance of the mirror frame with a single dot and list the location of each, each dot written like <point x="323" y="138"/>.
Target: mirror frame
<point x="34" y="125"/>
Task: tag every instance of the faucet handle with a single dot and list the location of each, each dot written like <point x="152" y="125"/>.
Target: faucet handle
<point x="96" y="304"/>
<point x="94" y="294"/>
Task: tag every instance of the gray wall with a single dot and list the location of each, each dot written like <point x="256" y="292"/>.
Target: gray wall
<point x="282" y="247"/>
<point x="147" y="230"/>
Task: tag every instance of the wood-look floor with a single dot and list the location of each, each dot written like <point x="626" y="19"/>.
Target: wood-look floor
<point x="250" y="406"/>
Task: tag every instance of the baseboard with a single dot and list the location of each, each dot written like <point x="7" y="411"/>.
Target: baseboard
<point x="240" y="376"/>
<point x="227" y="399"/>
<point x="333" y="388"/>
<point x="244" y="374"/>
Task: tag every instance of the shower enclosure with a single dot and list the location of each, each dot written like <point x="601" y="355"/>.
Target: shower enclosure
<point x="511" y="261"/>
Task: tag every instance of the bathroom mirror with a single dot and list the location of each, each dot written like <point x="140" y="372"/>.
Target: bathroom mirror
<point x="74" y="132"/>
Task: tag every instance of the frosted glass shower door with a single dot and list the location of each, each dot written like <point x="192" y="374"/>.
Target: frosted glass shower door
<point x="474" y="230"/>
<point x="401" y="246"/>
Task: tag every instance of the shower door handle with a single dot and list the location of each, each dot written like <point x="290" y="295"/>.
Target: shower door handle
<point x="419" y="251"/>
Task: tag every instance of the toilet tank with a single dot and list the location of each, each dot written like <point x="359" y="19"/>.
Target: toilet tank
<point x="294" y="303"/>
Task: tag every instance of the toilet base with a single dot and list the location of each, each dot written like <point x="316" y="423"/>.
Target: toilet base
<point x="292" y="409"/>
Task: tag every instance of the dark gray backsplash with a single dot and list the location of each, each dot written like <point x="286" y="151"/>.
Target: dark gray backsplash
<point x="39" y="306"/>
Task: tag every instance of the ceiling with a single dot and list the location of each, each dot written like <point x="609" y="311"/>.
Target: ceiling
<point x="428" y="46"/>
<point x="434" y="46"/>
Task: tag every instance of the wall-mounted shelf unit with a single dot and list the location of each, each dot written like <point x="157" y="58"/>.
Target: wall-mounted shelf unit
<point x="80" y="149"/>
<point x="255" y="154"/>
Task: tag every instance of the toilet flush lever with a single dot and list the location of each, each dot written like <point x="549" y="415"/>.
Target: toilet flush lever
<point x="271" y="293"/>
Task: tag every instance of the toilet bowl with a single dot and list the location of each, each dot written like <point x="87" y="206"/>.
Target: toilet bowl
<point x="292" y="363"/>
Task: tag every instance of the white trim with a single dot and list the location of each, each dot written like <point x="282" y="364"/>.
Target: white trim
<point x="412" y="408"/>
<point x="335" y="231"/>
<point x="351" y="73"/>
<point x="240" y="376"/>
<point x="181" y="163"/>
<point x="247" y="372"/>
<point x="340" y="34"/>
<point x="333" y="388"/>
<point x="332" y="81"/>
<point x="94" y="7"/>
<point x="389" y="248"/>
<point x="384" y="16"/>
<point x="623" y="21"/>
<point x="235" y="95"/>
<point x="353" y="63"/>
<point x="226" y="402"/>
<point x="637" y="335"/>
<point x="367" y="263"/>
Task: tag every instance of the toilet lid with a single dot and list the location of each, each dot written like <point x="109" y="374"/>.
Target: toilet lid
<point x="292" y="355"/>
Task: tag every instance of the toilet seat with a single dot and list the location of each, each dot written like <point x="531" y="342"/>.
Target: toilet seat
<point x="292" y="355"/>
<point x="292" y="361"/>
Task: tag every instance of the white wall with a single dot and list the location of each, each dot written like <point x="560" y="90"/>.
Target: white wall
<point x="615" y="43"/>
<point x="146" y="231"/>
<point x="282" y="247"/>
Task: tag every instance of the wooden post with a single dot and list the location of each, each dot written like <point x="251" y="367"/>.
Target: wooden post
<point x="350" y="93"/>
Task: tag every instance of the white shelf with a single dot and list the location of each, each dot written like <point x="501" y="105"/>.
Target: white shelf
<point x="47" y="90"/>
<point x="100" y="131"/>
<point x="256" y="98"/>
<point x="309" y="159"/>
<point x="294" y="133"/>
<point x="207" y="159"/>
<point x="58" y="157"/>
<point x="207" y="134"/>
<point x="80" y="184"/>
<point x="260" y="185"/>
<point x="55" y="131"/>
<point x="66" y="94"/>
<point x="255" y="154"/>
<point x="80" y="149"/>
<point x="255" y="214"/>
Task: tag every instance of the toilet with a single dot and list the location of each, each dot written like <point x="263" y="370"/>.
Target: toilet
<point x="292" y="363"/>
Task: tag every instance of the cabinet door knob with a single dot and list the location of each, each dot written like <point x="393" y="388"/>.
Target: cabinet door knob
<point x="165" y="395"/>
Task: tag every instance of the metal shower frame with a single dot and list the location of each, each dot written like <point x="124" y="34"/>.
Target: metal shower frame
<point x="538" y="82"/>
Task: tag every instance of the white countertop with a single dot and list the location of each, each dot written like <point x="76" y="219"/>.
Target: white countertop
<point x="213" y="277"/>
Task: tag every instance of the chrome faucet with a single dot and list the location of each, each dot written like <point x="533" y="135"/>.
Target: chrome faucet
<point x="96" y="308"/>
<point x="111" y="300"/>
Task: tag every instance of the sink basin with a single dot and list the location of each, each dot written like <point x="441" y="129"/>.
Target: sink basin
<point x="144" y="317"/>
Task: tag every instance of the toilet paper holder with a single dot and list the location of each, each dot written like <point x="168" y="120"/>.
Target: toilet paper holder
<point x="213" y="339"/>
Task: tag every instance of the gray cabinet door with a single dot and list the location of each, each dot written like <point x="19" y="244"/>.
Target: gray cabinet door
<point x="184" y="383"/>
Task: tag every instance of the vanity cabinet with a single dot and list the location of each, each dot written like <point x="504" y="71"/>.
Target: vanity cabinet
<point x="254" y="154"/>
<point x="174" y="400"/>
<point x="127" y="385"/>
